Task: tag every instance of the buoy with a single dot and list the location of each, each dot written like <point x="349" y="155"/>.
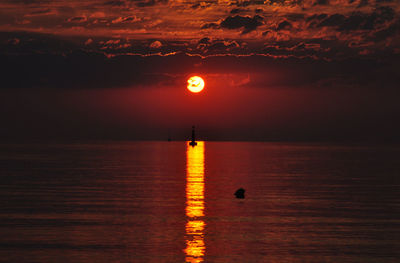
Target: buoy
<point x="240" y="193"/>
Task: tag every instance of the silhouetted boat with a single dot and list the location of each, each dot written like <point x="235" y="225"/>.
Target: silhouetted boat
<point x="193" y="141"/>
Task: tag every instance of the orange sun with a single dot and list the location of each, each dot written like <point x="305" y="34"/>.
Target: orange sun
<point x="195" y="84"/>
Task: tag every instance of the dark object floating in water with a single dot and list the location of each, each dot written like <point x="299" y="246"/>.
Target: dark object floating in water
<point x="193" y="142"/>
<point x="240" y="193"/>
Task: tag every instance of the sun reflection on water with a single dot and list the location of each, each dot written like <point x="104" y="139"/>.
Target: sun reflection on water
<point x="195" y="246"/>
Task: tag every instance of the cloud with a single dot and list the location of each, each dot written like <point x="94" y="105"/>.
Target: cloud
<point x="205" y="40"/>
<point x="218" y="47"/>
<point x="114" y="3"/>
<point x="77" y="19"/>
<point x="207" y="46"/>
<point x="29" y="2"/>
<point x="297" y="50"/>
<point x="145" y="3"/>
<point x="201" y="4"/>
<point x="114" y="45"/>
<point x="284" y="25"/>
<point x="362" y="3"/>
<point x="333" y="20"/>
<point x="321" y="2"/>
<point x="392" y="30"/>
<point x="210" y="25"/>
<point x="112" y="42"/>
<point x="248" y="3"/>
<point x="156" y="44"/>
<point x="241" y="82"/>
<point x="97" y="14"/>
<point x="364" y="21"/>
<point x="41" y="12"/>
<point x="23" y="22"/>
<point x="127" y="19"/>
<point x="317" y="17"/>
<point x="237" y="11"/>
<point x="88" y="42"/>
<point x="354" y="21"/>
<point x="246" y="22"/>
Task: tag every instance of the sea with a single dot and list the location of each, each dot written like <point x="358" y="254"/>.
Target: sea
<point x="153" y="201"/>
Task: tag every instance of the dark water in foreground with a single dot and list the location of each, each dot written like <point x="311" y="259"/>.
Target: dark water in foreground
<point x="166" y="202"/>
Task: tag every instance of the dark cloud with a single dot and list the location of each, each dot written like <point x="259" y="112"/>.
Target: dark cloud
<point x="364" y="21"/>
<point x="295" y="17"/>
<point x="209" y="47"/>
<point x="202" y="4"/>
<point x="33" y="43"/>
<point x="299" y="50"/>
<point x="40" y="12"/>
<point x="223" y="45"/>
<point x="236" y="11"/>
<point x="210" y="25"/>
<point x="333" y="20"/>
<point x="284" y="25"/>
<point x="354" y="21"/>
<point x="321" y="2"/>
<point x="77" y="19"/>
<point x="114" y="3"/>
<point x="318" y="17"/>
<point x="284" y="2"/>
<point x="28" y="2"/>
<point x="248" y="3"/>
<point x="363" y="3"/>
<point x="248" y="23"/>
<point x="205" y="40"/>
<point x="144" y="3"/>
<point x="89" y="70"/>
<point x="390" y="31"/>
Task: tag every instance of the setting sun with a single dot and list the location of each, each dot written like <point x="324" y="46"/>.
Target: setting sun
<point x="195" y="84"/>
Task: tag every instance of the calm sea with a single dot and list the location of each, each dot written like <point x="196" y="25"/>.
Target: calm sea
<point x="169" y="202"/>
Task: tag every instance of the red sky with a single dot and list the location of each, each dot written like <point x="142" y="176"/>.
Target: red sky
<point x="274" y="70"/>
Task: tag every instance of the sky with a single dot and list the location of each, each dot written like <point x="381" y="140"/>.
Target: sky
<point x="297" y="70"/>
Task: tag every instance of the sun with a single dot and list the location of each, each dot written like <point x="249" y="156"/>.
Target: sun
<point x="195" y="84"/>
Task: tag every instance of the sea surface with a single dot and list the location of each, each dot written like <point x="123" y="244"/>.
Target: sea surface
<point x="170" y="202"/>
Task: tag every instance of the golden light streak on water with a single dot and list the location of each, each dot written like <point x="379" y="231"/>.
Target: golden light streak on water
<point x="195" y="246"/>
